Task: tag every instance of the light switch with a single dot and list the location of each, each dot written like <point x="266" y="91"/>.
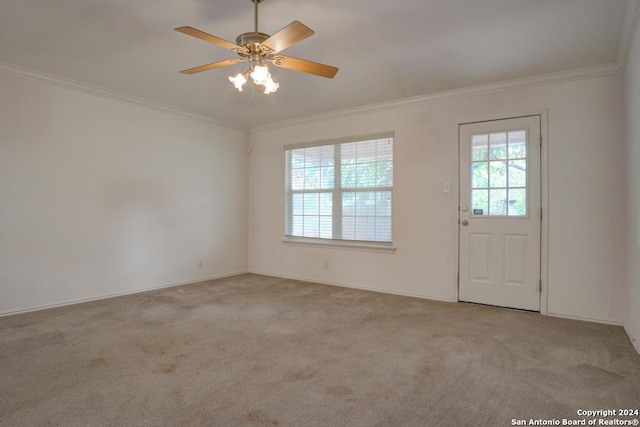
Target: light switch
<point x="446" y="186"/>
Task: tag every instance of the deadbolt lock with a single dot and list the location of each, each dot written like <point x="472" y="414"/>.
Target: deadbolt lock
<point x="465" y="209"/>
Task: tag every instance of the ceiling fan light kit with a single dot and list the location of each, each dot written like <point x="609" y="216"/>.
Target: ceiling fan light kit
<point x="259" y="48"/>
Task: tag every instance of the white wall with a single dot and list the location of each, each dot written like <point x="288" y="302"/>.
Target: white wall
<point x="632" y="113"/>
<point x="586" y="166"/>
<point x="101" y="196"/>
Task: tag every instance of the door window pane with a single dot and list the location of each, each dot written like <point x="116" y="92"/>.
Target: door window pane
<point x="517" y="202"/>
<point x="518" y="173"/>
<point x="517" y="145"/>
<point x="498" y="202"/>
<point x="497" y="174"/>
<point x="497" y="146"/>
<point x="479" y="175"/>
<point x="479" y="147"/>
<point x="480" y="202"/>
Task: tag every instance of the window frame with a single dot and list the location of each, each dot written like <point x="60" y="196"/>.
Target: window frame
<point x="336" y="191"/>
<point x="507" y="161"/>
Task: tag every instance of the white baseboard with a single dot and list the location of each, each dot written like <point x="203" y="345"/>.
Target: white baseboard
<point x="351" y="286"/>
<point x="635" y="340"/>
<point x="614" y="322"/>
<point x="408" y="294"/>
<point x="118" y="294"/>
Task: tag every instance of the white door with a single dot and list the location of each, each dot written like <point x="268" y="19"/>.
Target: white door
<point x="500" y="213"/>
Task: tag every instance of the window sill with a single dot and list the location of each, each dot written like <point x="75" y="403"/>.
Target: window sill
<point x="340" y="244"/>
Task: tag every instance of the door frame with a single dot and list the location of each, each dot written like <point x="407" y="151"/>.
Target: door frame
<point x="544" y="195"/>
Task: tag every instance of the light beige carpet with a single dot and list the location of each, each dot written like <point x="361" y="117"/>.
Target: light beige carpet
<point x="259" y="351"/>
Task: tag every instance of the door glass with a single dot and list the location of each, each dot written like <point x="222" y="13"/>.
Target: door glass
<point x="498" y="146"/>
<point x="479" y="175"/>
<point x="518" y="145"/>
<point x="517" y="202"/>
<point x="498" y="202"/>
<point x="480" y="202"/>
<point x="499" y="174"/>
<point x="479" y="147"/>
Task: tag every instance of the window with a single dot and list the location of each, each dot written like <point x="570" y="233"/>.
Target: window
<point x="499" y="173"/>
<point x="340" y="191"/>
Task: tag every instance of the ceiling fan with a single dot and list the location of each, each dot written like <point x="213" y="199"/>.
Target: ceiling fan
<point x="258" y="48"/>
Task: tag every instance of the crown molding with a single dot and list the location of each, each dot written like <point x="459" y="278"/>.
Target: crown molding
<point x="631" y="20"/>
<point x="448" y="95"/>
<point x="29" y="74"/>
<point x="631" y="17"/>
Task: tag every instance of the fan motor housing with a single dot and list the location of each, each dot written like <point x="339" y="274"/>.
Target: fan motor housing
<point x="251" y="40"/>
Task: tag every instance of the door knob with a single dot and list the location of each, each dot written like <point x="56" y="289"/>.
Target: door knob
<point x="464" y="222"/>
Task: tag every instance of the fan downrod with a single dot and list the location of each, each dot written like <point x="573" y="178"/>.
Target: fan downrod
<point x="255" y="14"/>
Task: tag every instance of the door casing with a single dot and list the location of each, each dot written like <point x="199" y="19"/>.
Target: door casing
<point x="544" y="189"/>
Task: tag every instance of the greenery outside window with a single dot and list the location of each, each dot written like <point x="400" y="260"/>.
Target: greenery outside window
<point x="340" y="191"/>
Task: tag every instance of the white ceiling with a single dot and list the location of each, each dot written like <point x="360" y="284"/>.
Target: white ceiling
<point x="386" y="50"/>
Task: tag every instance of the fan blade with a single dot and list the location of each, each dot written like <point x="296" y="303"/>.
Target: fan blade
<point x="305" y="66"/>
<point x="190" y="31"/>
<point x="288" y="36"/>
<point x="211" y="66"/>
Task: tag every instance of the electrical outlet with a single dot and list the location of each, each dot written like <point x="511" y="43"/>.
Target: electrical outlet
<point x="326" y="265"/>
<point x="199" y="263"/>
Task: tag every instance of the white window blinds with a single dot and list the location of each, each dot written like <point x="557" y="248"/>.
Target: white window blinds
<point x="340" y="191"/>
